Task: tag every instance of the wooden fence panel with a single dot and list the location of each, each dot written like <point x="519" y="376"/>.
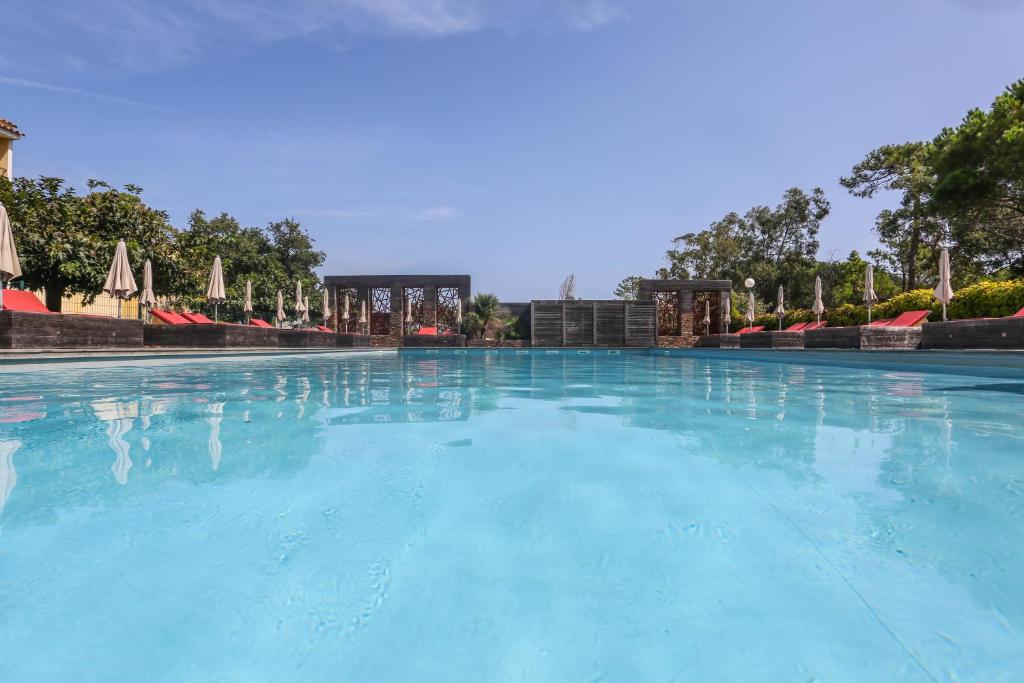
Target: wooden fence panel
<point x="593" y="323"/>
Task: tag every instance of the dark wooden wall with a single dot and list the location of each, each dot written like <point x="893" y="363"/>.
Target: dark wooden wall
<point x="592" y="323"/>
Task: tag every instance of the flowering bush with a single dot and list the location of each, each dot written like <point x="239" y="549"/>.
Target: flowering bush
<point x="987" y="299"/>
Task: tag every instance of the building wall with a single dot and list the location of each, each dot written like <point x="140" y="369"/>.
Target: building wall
<point x="6" y="157"/>
<point x="102" y="305"/>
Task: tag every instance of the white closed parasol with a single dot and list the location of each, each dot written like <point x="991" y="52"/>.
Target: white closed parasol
<point x="247" y="304"/>
<point x="944" y="290"/>
<point x="869" y="288"/>
<point x="280" y="308"/>
<point x="10" y="268"/>
<point x="215" y="288"/>
<point x="120" y="283"/>
<point x="780" y="308"/>
<point x="819" y="306"/>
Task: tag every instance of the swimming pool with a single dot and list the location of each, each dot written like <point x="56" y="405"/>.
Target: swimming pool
<point x="510" y="516"/>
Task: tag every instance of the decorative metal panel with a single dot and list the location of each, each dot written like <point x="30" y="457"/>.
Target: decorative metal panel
<point x="413" y="296"/>
<point x="448" y="303"/>
<point x="380" y="310"/>
<point x="667" y="305"/>
<point x="701" y="301"/>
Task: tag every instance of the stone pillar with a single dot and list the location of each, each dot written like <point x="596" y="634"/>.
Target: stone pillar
<point x="397" y="326"/>
<point x="686" y="313"/>
<point x="430" y="305"/>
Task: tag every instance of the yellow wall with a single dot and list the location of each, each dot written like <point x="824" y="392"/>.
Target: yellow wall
<point x="6" y="157"/>
<point x="103" y="305"/>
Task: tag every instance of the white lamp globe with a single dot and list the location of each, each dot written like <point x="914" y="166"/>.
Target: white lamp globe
<point x="748" y="283"/>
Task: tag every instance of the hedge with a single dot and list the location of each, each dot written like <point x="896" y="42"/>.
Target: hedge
<point x="981" y="300"/>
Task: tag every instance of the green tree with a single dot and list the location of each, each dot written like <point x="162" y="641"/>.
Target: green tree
<point x="628" y="288"/>
<point x="910" y="235"/>
<point x="776" y="246"/>
<point x="66" y="241"/>
<point x="979" y="183"/>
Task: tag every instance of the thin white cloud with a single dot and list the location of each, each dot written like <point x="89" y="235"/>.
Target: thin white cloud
<point x="50" y="87"/>
<point x="141" y="34"/>
<point x="589" y="15"/>
<point x="435" y="214"/>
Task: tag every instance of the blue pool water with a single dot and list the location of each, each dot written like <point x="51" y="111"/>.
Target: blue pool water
<point x="510" y="517"/>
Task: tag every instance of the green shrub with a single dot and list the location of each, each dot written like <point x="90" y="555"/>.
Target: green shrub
<point x="986" y="300"/>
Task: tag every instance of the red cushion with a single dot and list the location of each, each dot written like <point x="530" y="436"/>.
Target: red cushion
<point x="1018" y="314"/>
<point x="881" y="323"/>
<point x="256" y="322"/>
<point x="169" y="317"/>
<point x="796" y="327"/>
<point x="20" y="300"/>
<point x="747" y="330"/>
<point x="816" y="325"/>
<point x="428" y="330"/>
<point x="322" y="328"/>
<point x="910" y="319"/>
<point x="197" y="318"/>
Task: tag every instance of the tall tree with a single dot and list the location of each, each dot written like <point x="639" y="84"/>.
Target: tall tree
<point x="979" y="182"/>
<point x="66" y="241"/>
<point x="628" y="288"/>
<point x="910" y="234"/>
<point x="776" y="246"/>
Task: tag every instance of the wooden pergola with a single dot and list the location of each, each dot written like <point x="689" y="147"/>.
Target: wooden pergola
<point x="435" y="301"/>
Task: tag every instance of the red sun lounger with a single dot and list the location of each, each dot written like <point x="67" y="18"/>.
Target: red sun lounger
<point x="321" y="328"/>
<point x="816" y="325"/>
<point x="169" y="317"/>
<point x="27" y="302"/>
<point x="746" y="330"/>
<point x="256" y="322"/>
<point x="428" y="330"/>
<point x="1018" y="314"/>
<point x="910" y="319"/>
<point x="197" y="318"/>
<point x="796" y="327"/>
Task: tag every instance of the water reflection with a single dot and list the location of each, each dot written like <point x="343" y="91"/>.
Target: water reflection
<point x="213" y="444"/>
<point x="8" y="475"/>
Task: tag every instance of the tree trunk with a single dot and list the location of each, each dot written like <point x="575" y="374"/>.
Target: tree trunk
<point x="915" y="245"/>
<point x="54" y="295"/>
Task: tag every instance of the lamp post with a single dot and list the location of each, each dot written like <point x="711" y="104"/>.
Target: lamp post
<point x="749" y="284"/>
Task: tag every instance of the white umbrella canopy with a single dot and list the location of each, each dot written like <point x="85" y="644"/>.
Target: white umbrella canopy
<point x="780" y="308"/>
<point x="215" y="288"/>
<point x="944" y="290"/>
<point x="727" y="314"/>
<point x="344" y="311"/>
<point x="362" y="312"/>
<point x="147" y="298"/>
<point x="751" y="306"/>
<point x="305" y="310"/>
<point x="819" y="306"/>
<point x="247" y="304"/>
<point x="458" y="314"/>
<point x="707" y="316"/>
<point x="327" y="305"/>
<point x="299" y="305"/>
<point x="120" y="282"/>
<point x="869" y="288"/>
<point x="280" y="308"/>
<point x="10" y="268"/>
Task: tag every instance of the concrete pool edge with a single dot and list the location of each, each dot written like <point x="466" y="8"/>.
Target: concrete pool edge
<point x="19" y="360"/>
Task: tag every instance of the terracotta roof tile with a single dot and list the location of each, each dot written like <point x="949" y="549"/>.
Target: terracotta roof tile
<point x="10" y="127"/>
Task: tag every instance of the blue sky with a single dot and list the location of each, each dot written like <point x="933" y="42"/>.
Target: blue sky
<point x="514" y="141"/>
